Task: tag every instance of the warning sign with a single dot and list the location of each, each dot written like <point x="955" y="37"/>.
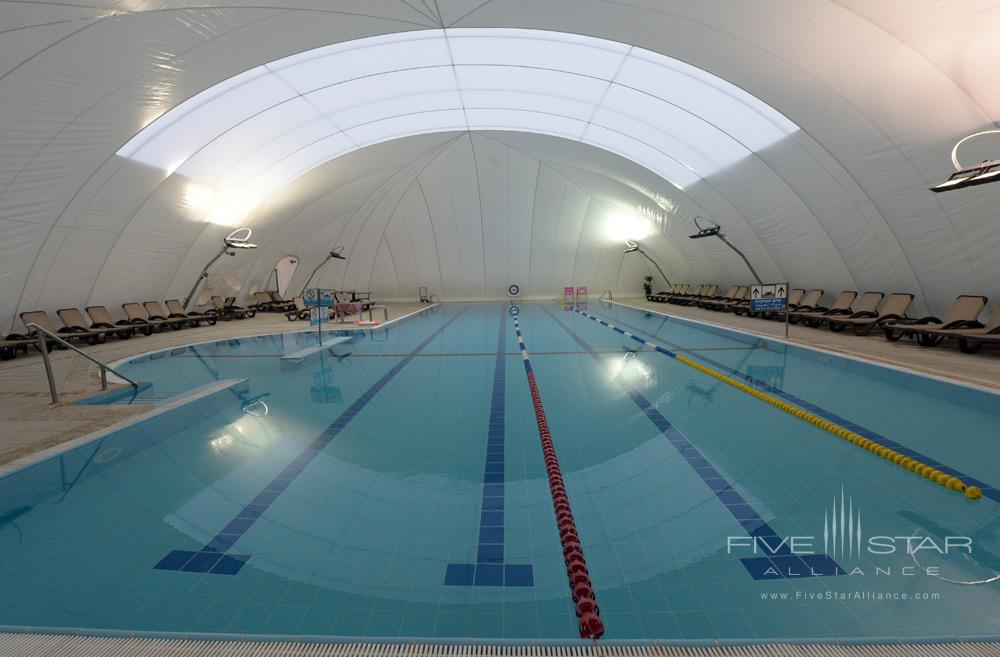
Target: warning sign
<point x="768" y="297"/>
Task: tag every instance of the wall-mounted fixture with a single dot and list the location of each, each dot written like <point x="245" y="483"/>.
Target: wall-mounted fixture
<point x="715" y="230"/>
<point x="336" y="254"/>
<point x="631" y="247"/>
<point x="238" y="239"/>
<point x="987" y="172"/>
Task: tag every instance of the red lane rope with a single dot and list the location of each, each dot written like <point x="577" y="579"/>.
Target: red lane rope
<point x="589" y="615"/>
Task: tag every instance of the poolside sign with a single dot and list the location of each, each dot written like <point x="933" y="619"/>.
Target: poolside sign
<point x="319" y="315"/>
<point x="768" y="298"/>
<point x="318" y="297"/>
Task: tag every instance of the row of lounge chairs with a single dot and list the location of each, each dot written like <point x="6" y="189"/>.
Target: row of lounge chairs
<point x="862" y="314"/>
<point x="98" y="324"/>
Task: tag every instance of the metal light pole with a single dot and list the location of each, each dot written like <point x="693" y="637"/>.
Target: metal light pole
<point x="716" y="230"/>
<point x="631" y="246"/>
<point x="335" y="254"/>
<point x="230" y="241"/>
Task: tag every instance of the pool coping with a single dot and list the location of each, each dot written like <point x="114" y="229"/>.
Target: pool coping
<point x="112" y="377"/>
<point x="830" y="352"/>
<point x="87" y="641"/>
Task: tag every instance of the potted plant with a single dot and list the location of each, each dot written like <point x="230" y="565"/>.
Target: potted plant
<point x="647" y="285"/>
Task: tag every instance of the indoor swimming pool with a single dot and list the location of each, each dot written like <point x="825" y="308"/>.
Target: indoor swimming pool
<point x="392" y="484"/>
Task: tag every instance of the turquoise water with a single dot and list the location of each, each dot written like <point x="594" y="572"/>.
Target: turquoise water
<point x="393" y="486"/>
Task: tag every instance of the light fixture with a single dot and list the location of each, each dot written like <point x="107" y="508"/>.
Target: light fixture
<point x="715" y="230"/>
<point x="987" y="172"/>
<point x="631" y="246"/>
<point x="336" y="254"/>
<point x="238" y="239"/>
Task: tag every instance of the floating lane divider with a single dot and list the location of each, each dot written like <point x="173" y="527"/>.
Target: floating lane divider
<point x="924" y="470"/>
<point x="591" y="625"/>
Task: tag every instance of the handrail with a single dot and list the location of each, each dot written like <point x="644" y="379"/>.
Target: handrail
<point x="43" y="347"/>
<point x="607" y="292"/>
<point x="371" y="318"/>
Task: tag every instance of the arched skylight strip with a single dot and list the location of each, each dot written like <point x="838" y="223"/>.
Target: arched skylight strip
<point x="669" y="116"/>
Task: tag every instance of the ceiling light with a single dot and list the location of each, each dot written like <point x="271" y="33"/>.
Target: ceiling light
<point x="987" y="172"/>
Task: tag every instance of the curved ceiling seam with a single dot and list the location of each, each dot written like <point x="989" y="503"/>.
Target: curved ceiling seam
<point x="89" y="178"/>
<point x="417" y="9"/>
<point x="920" y="55"/>
<point x="49" y="24"/>
<point x="579" y="236"/>
<point x="531" y="221"/>
<point x="441" y="148"/>
<point x="479" y="198"/>
<point x="389" y="215"/>
<point x="806" y="74"/>
<point x="430" y="221"/>
<point x="132" y="80"/>
<point x="96" y="21"/>
<point x="392" y="260"/>
<point x="412" y="247"/>
<point x="468" y="13"/>
<point x="287" y="223"/>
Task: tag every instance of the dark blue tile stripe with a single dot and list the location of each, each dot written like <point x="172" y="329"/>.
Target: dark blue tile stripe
<point x="489" y="551"/>
<point x="745" y="515"/>
<point x="246" y="517"/>
<point x="990" y="492"/>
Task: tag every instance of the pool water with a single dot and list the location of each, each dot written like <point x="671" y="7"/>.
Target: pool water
<point x="393" y="485"/>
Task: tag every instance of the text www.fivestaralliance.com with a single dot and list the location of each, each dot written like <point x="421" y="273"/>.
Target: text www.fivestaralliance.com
<point x="846" y="596"/>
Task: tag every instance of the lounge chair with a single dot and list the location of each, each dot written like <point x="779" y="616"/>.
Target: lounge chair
<point x="810" y="301"/>
<point x="727" y="304"/>
<point x="175" y="310"/>
<point x="794" y="300"/>
<point x="101" y="318"/>
<point x="841" y="306"/>
<point x="718" y="297"/>
<point x="963" y="313"/>
<point x="866" y="307"/>
<point x="16" y="343"/>
<point x="706" y="292"/>
<point x="971" y="339"/>
<point x="280" y="305"/>
<point x="263" y="302"/>
<point x="74" y="321"/>
<point x="227" y="309"/>
<point x="156" y="313"/>
<point x="301" y="310"/>
<point x="661" y="296"/>
<point x="863" y="322"/>
<point x="686" y="294"/>
<point x="41" y="318"/>
<point x="138" y="316"/>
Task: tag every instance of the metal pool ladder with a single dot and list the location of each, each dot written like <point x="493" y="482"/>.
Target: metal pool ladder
<point x="44" y="348"/>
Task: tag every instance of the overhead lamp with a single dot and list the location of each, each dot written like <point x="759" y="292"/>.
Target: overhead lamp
<point x="715" y="230"/>
<point x="631" y="247"/>
<point x="987" y="172"/>
<point x="238" y="239"/>
<point x="335" y="254"/>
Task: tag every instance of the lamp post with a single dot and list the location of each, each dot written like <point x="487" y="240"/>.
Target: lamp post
<point x="230" y="241"/>
<point x="716" y="230"/>
<point x="631" y="247"/>
<point x="335" y="254"/>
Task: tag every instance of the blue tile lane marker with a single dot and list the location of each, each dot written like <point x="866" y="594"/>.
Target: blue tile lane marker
<point x="989" y="492"/>
<point x="781" y="563"/>
<point x="490" y="569"/>
<point x="212" y="558"/>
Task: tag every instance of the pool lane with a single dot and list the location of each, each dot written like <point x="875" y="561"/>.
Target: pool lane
<point x="988" y="491"/>
<point x="779" y="562"/>
<point x="213" y="557"/>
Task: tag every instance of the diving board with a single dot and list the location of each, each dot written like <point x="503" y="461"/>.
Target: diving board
<point x="302" y="353"/>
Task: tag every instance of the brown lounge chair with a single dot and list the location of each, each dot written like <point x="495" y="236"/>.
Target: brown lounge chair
<point x="866" y="307"/>
<point x="175" y="310"/>
<point x="41" y="318"/>
<point x="864" y="321"/>
<point x="724" y="305"/>
<point x="661" y="296"/>
<point x="156" y="313"/>
<point x="280" y="305"/>
<point x="963" y="313"/>
<point x="971" y="339"/>
<point x="841" y="305"/>
<point x="706" y="292"/>
<point x="137" y="315"/>
<point x="718" y="297"/>
<point x="301" y="310"/>
<point x="687" y="294"/>
<point x="227" y="309"/>
<point x="15" y="343"/>
<point x="810" y="301"/>
<point x="74" y="321"/>
<point x="101" y="318"/>
<point x="264" y="302"/>
<point x="678" y="290"/>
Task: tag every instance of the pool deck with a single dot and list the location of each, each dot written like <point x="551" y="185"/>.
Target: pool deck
<point x="944" y="361"/>
<point x="30" y="423"/>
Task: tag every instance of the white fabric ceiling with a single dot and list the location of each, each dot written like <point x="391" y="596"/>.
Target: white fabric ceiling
<point x="822" y="180"/>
